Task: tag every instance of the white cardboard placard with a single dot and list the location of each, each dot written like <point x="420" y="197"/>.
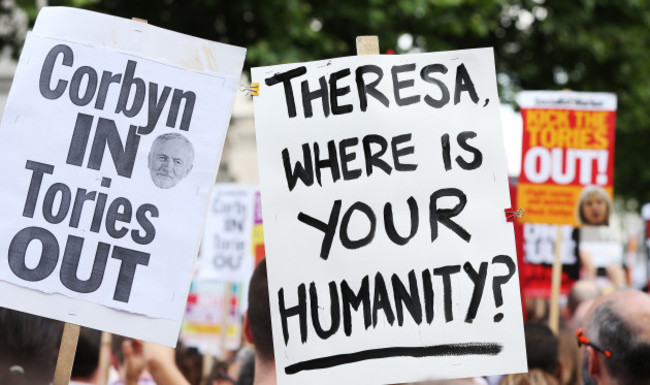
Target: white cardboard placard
<point x="421" y="132"/>
<point x="226" y="253"/>
<point x="87" y="178"/>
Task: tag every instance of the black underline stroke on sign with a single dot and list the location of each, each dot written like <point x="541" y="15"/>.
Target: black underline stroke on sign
<point x="464" y="349"/>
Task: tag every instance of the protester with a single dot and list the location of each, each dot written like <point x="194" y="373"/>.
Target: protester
<point x="140" y="363"/>
<point x="86" y="358"/>
<point x="247" y="368"/>
<point x="257" y="326"/>
<point x="28" y="348"/>
<point x="533" y="377"/>
<point x="542" y="350"/>
<point x="616" y="340"/>
<point x="190" y="362"/>
<point x="569" y="356"/>
<point x="582" y="291"/>
<point x="219" y="374"/>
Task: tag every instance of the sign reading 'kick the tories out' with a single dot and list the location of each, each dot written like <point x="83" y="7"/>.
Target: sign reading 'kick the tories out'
<point x="568" y="143"/>
<point x="384" y="185"/>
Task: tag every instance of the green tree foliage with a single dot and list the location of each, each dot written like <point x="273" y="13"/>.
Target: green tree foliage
<point x="583" y="45"/>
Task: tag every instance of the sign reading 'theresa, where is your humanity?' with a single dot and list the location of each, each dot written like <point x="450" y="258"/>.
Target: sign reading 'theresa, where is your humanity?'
<point x="384" y="184"/>
<point x="111" y="140"/>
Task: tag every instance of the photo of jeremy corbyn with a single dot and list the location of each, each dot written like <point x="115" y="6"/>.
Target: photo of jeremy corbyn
<point x="170" y="159"/>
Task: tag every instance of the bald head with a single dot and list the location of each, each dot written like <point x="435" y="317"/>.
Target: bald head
<point x="632" y="306"/>
<point x="620" y="322"/>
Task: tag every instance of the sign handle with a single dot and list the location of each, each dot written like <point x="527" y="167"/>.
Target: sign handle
<point x="367" y="45"/>
<point x="104" y="358"/>
<point x="556" y="280"/>
<point x="66" y="354"/>
<point x="206" y="366"/>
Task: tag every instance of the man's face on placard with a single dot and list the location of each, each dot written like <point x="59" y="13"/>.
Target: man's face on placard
<point x="170" y="160"/>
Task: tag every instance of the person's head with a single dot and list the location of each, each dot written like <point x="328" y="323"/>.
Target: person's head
<point x="170" y="159"/>
<point x="542" y="349"/>
<point x="247" y="368"/>
<point x="258" y="325"/>
<point x="28" y="348"/>
<point x="219" y="374"/>
<point x="618" y="331"/>
<point x="533" y="377"/>
<point x="594" y="207"/>
<point x="581" y="291"/>
<point x="569" y="357"/>
<point x="190" y="362"/>
<point x="86" y="359"/>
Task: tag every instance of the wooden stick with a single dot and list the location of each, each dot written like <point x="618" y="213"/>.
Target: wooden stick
<point x="66" y="354"/>
<point x="223" y="354"/>
<point x="367" y="45"/>
<point x="556" y="280"/>
<point x="104" y="359"/>
<point x="207" y="366"/>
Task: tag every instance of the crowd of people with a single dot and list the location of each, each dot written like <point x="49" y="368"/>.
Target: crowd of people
<point x="603" y="339"/>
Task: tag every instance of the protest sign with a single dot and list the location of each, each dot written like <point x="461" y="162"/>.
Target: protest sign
<point x="384" y="185"/>
<point x="112" y="136"/>
<point x="213" y="316"/>
<point x="226" y="247"/>
<point x="539" y="251"/>
<point x="257" y="243"/>
<point x="568" y="143"/>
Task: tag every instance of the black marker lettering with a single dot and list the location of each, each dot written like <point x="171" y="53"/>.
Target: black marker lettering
<point x="335" y="92"/>
<point x="299" y="310"/>
<point x="354" y="300"/>
<point x="329" y="228"/>
<point x="464" y="84"/>
<point x="308" y="96"/>
<point x="285" y="79"/>
<point x="446" y="273"/>
<point x="335" y="315"/>
<point x="410" y="298"/>
<point x="425" y="74"/>
<point x="369" y="89"/>
<point x="304" y="173"/>
<point x="444" y="215"/>
<point x="399" y="85"/>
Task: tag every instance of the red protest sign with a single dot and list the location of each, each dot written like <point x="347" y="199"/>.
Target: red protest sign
<point x="568" y="143"/>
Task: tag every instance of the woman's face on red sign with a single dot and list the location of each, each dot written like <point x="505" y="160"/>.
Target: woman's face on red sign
<point x="595" y="209"/>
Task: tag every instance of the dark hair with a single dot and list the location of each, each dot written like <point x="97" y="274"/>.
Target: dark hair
<point x="247" y="369"/>
<point x="28" y="348"/>
<point x="542" y="348"/>
<point x="86" y="359"/>
<point x="259" y="313"/>
<point x="190" y="362"/>
<point x="219" y="371"/>
<point x="629" y="360"/>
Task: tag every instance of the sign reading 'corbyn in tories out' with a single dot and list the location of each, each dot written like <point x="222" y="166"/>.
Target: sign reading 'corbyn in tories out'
<point x="109" y="157"/>
<point x="384" y="184"/>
